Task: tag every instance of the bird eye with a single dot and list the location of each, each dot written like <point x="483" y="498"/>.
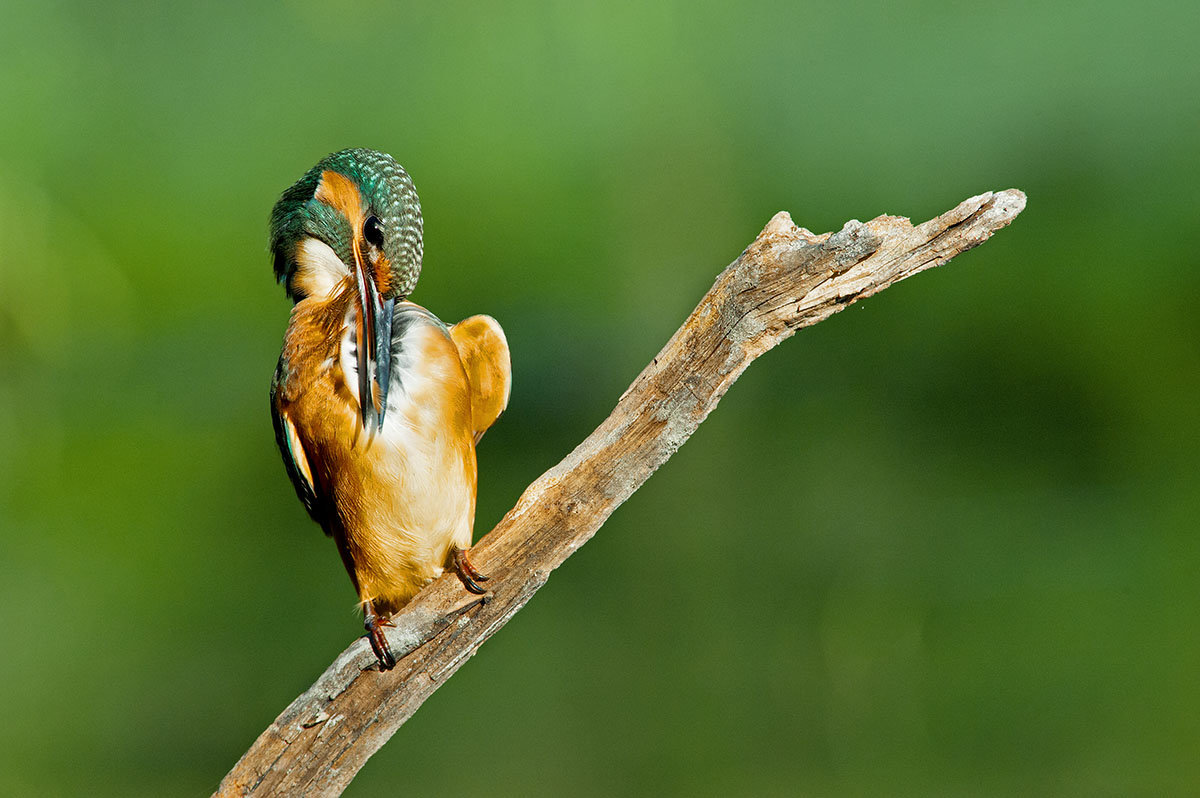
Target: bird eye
<point x="373" y="231"/>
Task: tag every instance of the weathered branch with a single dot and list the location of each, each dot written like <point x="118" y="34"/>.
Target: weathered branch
<point x="786" y="279"/>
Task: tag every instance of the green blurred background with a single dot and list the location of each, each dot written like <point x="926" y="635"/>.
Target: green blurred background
<point x="944" y="542"/>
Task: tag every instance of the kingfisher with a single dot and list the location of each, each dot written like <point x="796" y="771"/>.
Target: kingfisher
<point x="377" y="404"/>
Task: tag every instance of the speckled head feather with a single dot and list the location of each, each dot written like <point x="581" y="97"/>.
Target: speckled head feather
<point x="386" y="192"/>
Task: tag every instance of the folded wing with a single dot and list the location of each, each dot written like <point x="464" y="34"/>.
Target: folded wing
<point x="483" y="350"/>
<point x="295" y="459"/>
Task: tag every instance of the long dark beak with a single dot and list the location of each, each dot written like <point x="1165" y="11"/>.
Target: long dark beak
<point x="374" y="344"/>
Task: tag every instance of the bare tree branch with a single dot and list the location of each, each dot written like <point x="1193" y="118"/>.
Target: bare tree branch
<point x="786" y="279"/>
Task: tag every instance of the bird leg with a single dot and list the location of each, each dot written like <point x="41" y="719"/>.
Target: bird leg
<point x="467" y="572"/>
<point x="379" y="644"/>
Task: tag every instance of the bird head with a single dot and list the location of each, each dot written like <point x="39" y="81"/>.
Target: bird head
<point x="354" y="217"/>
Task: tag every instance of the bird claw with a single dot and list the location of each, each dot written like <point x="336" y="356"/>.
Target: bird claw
<point x="379" y="643"/>
<point x="468" y="573"/>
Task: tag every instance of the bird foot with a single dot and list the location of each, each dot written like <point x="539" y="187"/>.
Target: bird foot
<point x="379" y="644"/>
<point x="467" y="572"/>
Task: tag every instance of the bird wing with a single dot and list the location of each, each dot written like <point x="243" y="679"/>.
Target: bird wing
<point x="483" y="350"/>
<point x="295" y="460"/>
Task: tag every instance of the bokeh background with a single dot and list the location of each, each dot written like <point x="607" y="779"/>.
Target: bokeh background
<point x="944" y="542"/>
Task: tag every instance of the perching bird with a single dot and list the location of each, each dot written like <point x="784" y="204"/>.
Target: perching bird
<point x="377" y="404"/>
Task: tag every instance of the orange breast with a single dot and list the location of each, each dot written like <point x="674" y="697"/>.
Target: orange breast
<point x="406" y="494"/>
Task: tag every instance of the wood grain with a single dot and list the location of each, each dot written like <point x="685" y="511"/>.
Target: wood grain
<point x="786" y="279"/>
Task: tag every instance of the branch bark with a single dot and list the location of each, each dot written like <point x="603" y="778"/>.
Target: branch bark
<point x="786" y="279"/>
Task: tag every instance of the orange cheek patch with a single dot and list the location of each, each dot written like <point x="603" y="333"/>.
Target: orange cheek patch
<point x="338" y="191"/>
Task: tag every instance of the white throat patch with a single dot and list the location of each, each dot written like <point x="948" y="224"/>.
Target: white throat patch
<point x="318" y="269"/>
